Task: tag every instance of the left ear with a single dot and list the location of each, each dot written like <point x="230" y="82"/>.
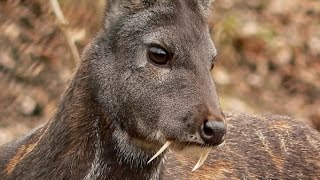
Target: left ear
<point x="118" y="8"/>
<point x="206" y="5"/>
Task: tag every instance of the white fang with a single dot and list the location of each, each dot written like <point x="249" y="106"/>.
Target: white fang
<point x="163" y="148"/>
<point x="202" y="159"/>
<point x="222" y="144"/>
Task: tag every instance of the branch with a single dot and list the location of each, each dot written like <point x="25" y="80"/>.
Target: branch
<point x="63" y="25"/>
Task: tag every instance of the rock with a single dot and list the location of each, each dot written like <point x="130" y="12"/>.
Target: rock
<point x="28" y="106"/>
<point x="255" y="80"/>
<point x="314" y="45"/>
<point x="221" y="76"/>
<point x="227" y="4"/>
<point x="250" y="28"/>
<point x="283" y="6"/>
<point x="283" y="56"/>
<point x="6" y="60"/>
<point x="315" y="120"/>
<point x="230" y="103"/>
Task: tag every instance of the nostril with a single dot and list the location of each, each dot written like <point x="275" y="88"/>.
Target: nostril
<point x="213" y="132"/>
<point x="208" y="129"/>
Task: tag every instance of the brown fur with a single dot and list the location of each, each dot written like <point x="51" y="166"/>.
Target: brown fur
<point x="120" y="108"/>
<point x="257" y="148"/>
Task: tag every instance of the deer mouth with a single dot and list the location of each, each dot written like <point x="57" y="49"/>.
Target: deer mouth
<point x="204" y="150"/>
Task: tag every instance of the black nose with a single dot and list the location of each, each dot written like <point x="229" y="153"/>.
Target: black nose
<point x="213" y="132"/>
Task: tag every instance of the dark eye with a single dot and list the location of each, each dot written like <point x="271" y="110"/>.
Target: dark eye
<point x="213" y="65"/>
<point x="158" y="55"/>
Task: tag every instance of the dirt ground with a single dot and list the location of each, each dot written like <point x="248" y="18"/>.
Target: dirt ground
<point x="269" y="57"/>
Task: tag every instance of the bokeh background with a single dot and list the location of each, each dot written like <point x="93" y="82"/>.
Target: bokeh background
<point x="269" y="57"/>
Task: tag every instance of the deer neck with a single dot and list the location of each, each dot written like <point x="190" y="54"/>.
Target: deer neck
<point x="106" y="150"/>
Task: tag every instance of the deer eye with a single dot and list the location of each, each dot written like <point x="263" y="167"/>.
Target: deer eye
<point x="213" y="65"/>
<point x="213" y="62"/>
<point x="158" y="55"/>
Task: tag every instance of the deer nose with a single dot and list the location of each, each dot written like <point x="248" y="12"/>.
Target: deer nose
<point x="213" y="131"/>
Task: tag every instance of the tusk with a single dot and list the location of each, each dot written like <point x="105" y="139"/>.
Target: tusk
<point x="222" y="144"/>
<point x="163" y="148"/>
<point x="202" y="159"/>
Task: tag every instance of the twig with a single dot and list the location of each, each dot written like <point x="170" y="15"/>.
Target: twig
<point x="63" y="25"/>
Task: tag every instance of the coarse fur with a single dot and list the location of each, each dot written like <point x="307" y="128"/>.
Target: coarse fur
<point x="120" y="108"/>
<point x="257" y="147"/>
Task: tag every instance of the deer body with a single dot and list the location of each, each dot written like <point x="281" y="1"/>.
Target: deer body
<point x="143" y="81"/>
<point x="257" y="147"/>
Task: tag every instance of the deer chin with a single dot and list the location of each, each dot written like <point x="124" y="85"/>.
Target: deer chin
<point x="188" y="150"/>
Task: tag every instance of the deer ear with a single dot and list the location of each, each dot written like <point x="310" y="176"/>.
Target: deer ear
<point x="206" y="4"/>
<point x="116" y="8"/>
<point x="116" y="5"/>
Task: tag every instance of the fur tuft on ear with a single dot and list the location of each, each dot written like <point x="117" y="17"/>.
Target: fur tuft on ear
<point x="116" y="5"/>
<point x="206" y="4"/>
<point x="112" y="5"/>
<point x="116" y="8"/>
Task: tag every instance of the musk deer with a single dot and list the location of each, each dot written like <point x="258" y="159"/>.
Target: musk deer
<point x="144" y="84"/>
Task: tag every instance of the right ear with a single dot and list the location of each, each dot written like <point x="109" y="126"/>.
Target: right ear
<point x="113" y="6"/>
<point x="112" y="11"/>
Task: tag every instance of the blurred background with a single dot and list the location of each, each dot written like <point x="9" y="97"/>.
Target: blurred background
<point x="269" y="57"/>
